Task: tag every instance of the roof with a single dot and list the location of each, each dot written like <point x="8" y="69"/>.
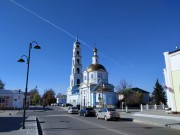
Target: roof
<point x="174" y="51"/>
<point x="3" y="91"/>
<point x="139" y="90"/>
<point x="96" y="67"/>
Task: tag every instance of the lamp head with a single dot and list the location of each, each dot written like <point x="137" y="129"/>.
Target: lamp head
<point x="37" y="47"/>
<point x="21" y="60"/>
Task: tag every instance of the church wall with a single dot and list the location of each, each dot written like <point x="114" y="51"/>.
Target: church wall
<point x="74" y="99"/>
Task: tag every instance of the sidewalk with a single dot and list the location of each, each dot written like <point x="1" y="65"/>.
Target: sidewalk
<point x="10" y="124"/>
<point x="154" y="117"/>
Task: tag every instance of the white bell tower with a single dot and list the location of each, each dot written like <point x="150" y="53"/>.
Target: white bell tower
<point x="76" y="77"/>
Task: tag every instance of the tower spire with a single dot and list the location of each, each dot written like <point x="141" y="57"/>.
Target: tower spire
<point x="95" y="57"/>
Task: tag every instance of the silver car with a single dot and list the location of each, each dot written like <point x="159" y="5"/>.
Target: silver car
<point x="72" y="110"/>
<point x="107" y="114"/>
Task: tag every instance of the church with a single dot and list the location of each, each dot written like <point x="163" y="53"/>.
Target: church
<point x="91" y="87"/>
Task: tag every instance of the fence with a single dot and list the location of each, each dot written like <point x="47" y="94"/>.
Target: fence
<point x="153" y="107"/>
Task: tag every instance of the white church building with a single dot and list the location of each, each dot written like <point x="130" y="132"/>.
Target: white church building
<point x="90" y="88"/>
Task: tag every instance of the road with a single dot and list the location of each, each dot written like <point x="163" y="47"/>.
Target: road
<point x="58" y="122"/>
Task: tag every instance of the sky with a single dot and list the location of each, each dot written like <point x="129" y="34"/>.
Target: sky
<point x="130" y="35"/>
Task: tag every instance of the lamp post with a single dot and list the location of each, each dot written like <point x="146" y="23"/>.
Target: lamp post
<point x="27" y="75"/>
<point x="102" y="94"/>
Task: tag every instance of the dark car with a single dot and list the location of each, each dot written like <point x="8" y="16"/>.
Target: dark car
<point x="87" y="111"/>
<point x="67" y="105"/>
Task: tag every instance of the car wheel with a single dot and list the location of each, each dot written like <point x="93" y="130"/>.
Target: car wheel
<point x="97" y="116"/>
<point x="105" y="118"/>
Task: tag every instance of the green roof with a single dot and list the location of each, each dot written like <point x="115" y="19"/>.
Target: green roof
<point x="139" y="90"/>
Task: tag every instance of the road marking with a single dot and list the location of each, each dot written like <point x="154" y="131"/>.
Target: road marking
<point x="99" y="126"/>
<point x="158" y="116"/>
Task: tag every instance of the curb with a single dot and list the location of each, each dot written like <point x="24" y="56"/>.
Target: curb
<point x="39" y="127"/>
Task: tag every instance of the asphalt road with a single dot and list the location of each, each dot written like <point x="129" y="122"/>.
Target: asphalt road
<point x="58" y="122"/>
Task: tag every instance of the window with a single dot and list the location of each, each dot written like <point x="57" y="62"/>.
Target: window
<point x="78" y="81"/>
<point x="77" y="53"/>
<point x="84" y="77"/>
<point x="91" y="76"/>
<point x="78" y="61"/>
<point x="78" y="71"/>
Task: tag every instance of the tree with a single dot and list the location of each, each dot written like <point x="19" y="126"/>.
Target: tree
<point x="2" y="84"/>
<point x="159" y="95"/>
<point x="49" y="97"/>
<point x="34" y="96"/>
<point x="124" y="89"/>
<point x="36" y="99"/>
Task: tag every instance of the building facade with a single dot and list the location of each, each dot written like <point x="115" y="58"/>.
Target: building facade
<point x="90" y="88"/>
<point x="172" y="79"/>
<point x="11" y="98"/>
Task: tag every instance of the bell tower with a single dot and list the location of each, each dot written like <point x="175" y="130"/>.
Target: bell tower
<point x="76" y="77"/>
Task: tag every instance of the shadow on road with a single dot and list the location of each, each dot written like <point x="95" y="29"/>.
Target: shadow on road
<point x="126" y="119"/>
<point x="8" y="124"/>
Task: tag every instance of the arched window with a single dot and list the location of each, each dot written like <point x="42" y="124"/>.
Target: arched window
<point x="78" y="81"/>
<point x="78" y="70"/>
<point x="78" y="61"/>
<point x="77" y="53"/>
<point x="84" y="77"/>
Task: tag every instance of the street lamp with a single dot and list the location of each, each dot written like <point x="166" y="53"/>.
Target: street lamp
<point x="27" y="76"/>
<point x="102" y="94"/>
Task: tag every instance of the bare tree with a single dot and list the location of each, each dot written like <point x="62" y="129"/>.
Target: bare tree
<point x="123" y="85"/>
<point x="124" y="89"/>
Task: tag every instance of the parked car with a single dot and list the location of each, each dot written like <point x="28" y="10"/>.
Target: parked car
<point x="107" y="114"/>
<point x="87" y="111"/>
<point x="72" y="110"/>
<point x="67" y="104"/>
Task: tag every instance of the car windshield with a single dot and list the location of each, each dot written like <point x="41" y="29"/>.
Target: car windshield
<point x="111" y="109"/>
<point x="89" y="109"/>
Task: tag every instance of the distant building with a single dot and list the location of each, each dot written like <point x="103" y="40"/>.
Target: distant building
<point x="172" y="79"/>
<point x="145" y="94"/>
<point x="11" y="98"/>
<point x="61" y="99"/>
<point x="133" y="98"/>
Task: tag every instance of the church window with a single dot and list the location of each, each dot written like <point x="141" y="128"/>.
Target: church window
<point x="78" y="81"/>
<point x="78" y="61"/>
<point x="77" y="53"/>
<point x="84" y="77"/>
<point x="91" y="76"/>
<point x="78" y="70"/>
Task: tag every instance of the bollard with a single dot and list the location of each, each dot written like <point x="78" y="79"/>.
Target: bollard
<point x="155" y="107"/>
<point x="163" y="106"/>
<point x="126" y="109"/>
<point x="147" y="107"/>
<point x="141" y="107"/>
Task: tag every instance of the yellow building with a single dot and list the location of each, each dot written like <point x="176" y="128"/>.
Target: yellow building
<point x="172" y="79"/>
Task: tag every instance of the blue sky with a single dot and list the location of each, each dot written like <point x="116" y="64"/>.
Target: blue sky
<point x="131" y="36"/>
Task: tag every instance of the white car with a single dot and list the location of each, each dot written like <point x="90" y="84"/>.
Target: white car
<point x="72" y="110"/>
<point x="107" y="114"/>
